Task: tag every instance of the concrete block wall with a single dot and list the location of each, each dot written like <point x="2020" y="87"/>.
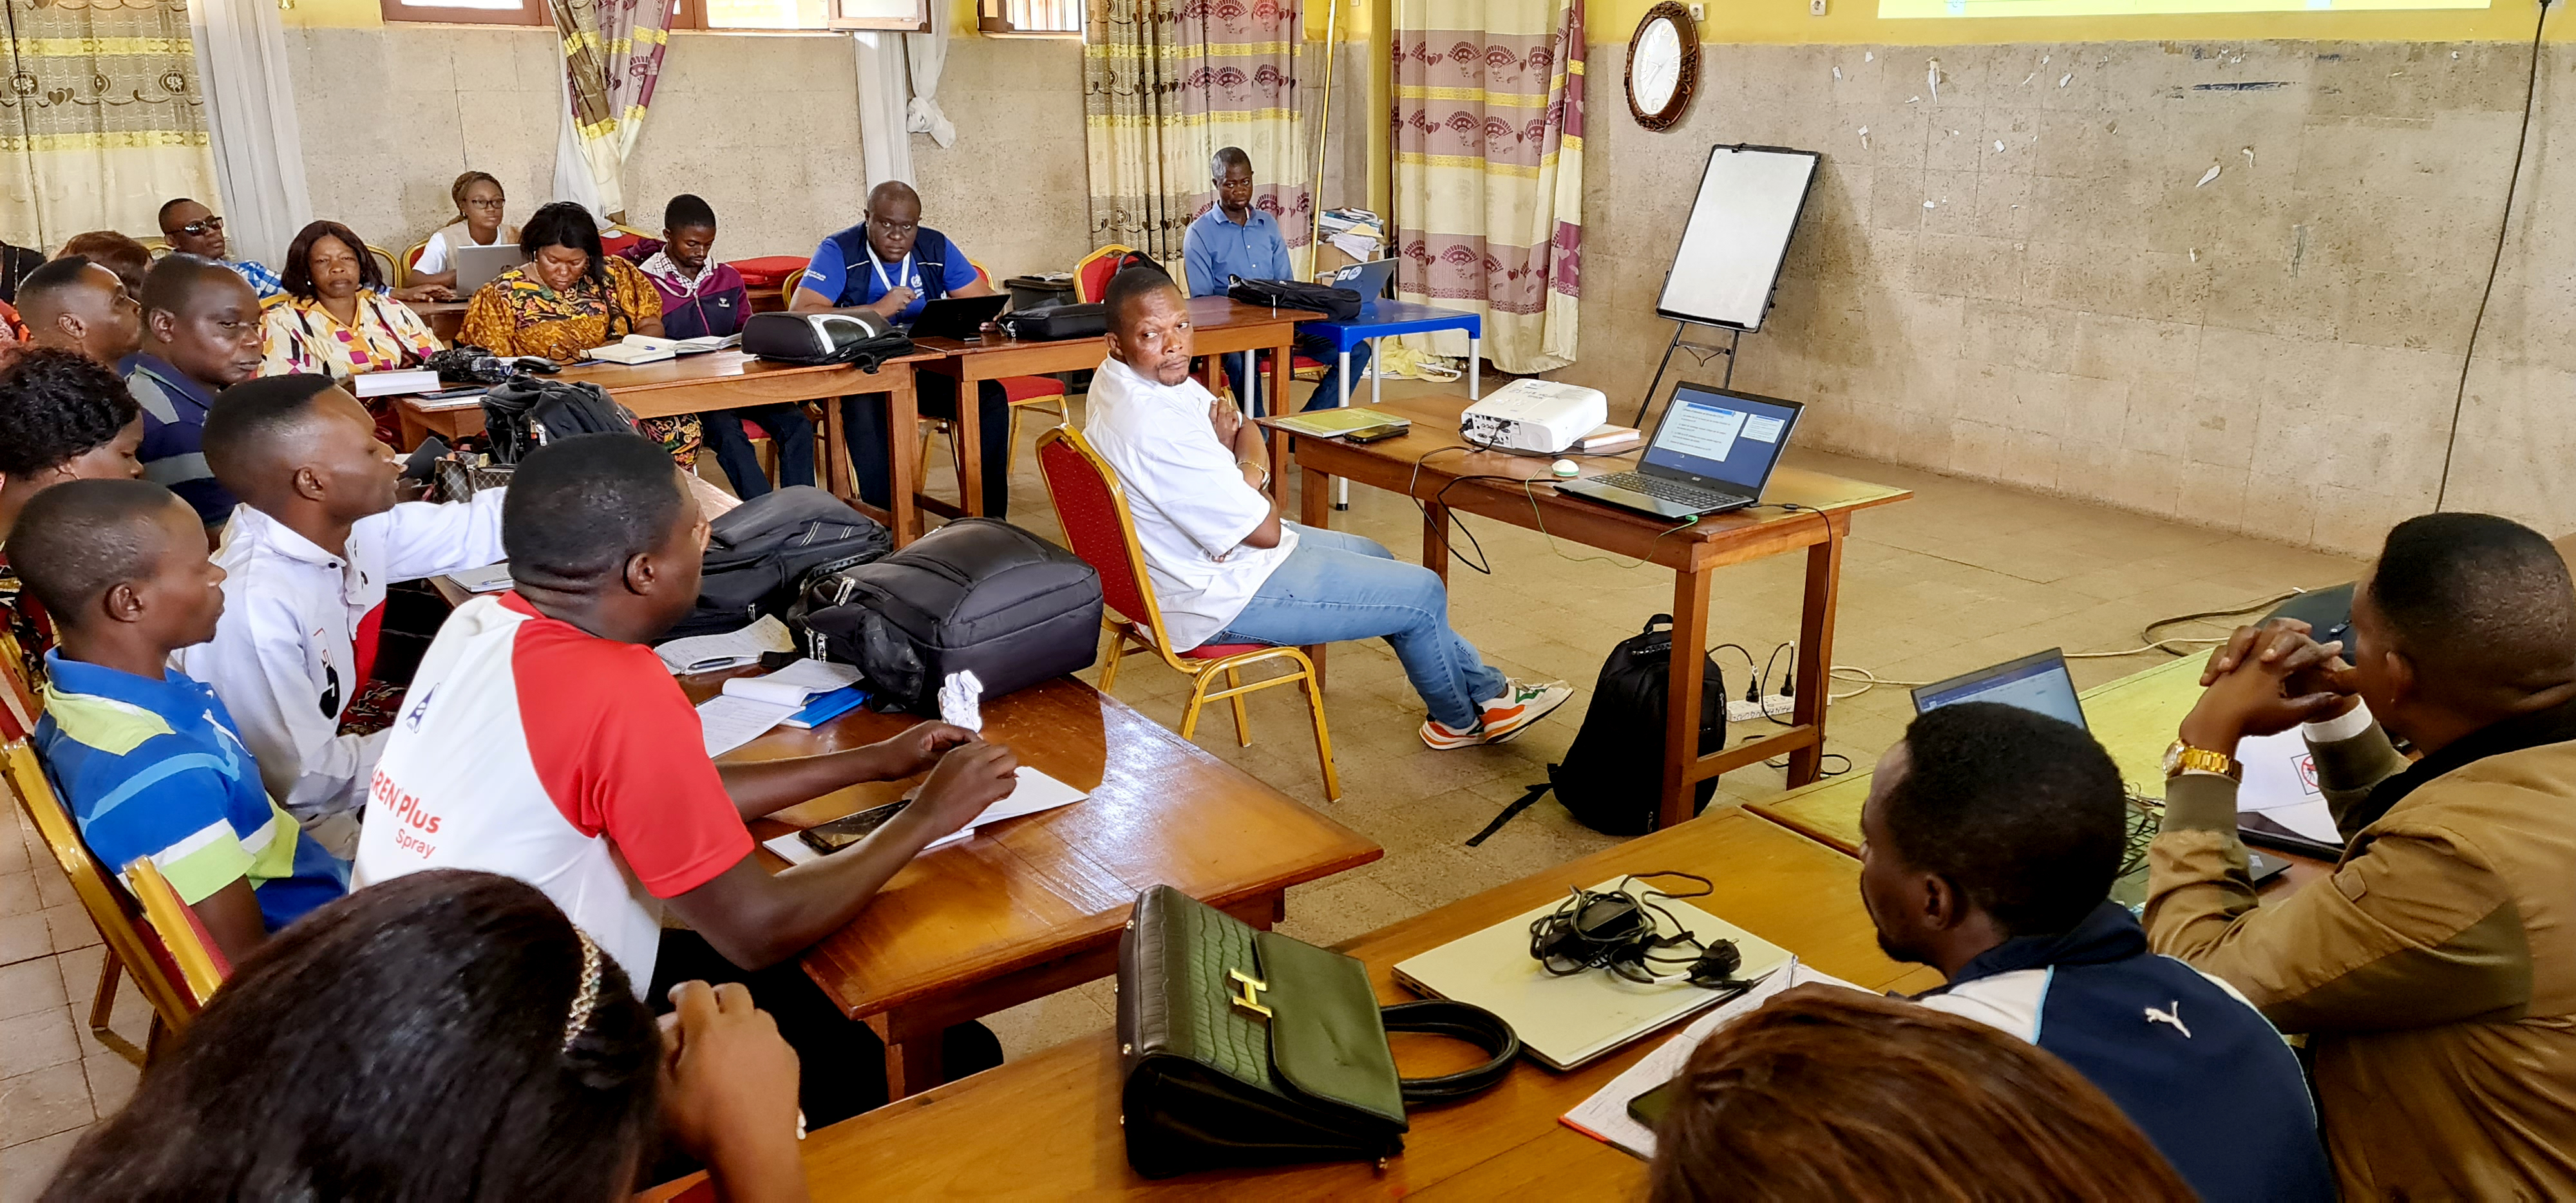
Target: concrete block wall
<point x="2024" y="279"/>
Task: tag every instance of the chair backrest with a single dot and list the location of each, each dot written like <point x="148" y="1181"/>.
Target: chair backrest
<point x="19" y="704"/>
<point x="1091" y="276"/>
<point x="391" y="268"/>
<point x="136" y="946"/>
<point x="1093" y="510"/>
<point x="202" y="966"/>
<point x="411" y="258"/>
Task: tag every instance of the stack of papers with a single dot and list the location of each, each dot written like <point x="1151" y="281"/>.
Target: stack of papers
<point x="388" y="384"/>
<point x="733" y="649"/>
<point x="1035" y="792"/>
<point x="636" y="348"/>
<point x="491" y="578"/>
<point x="1604" y="1117"/>
<point x="1355" y="232"/>
<point x="750" y="706"/>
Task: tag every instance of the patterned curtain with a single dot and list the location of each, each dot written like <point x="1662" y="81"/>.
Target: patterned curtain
<point x="1489" y="170"/>
<point x="612" y="56"/>
<point x="101" y="120"/>
<point x="1167" y="82"/>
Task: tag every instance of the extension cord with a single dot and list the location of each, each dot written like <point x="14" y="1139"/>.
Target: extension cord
<point x="1740" y="711"/>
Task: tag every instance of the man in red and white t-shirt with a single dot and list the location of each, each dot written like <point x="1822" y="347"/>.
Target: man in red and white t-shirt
<point x="542" y="739"/>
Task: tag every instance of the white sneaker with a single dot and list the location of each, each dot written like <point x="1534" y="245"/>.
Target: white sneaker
<point x="1522" y="703"/>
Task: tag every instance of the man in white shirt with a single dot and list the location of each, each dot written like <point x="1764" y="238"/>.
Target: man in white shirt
<point x="1226" y="569"/>
<point x="309" y="552"/>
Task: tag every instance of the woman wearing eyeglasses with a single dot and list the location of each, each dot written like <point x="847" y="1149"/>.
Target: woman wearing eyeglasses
<point x="479" y="207"/>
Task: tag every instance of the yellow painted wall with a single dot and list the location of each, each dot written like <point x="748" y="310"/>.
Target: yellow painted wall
<point x="1856" y="22"/>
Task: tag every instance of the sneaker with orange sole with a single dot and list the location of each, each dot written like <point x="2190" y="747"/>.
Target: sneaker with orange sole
<point x="1522" y="703"/>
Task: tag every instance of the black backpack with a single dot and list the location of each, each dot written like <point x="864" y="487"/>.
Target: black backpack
<point x="1337" y="304"/>
<point x="523" y="413"/>
<point x="760" y="553"/>
<point x="1612" y="779"/>
<point x="978" y="595"/>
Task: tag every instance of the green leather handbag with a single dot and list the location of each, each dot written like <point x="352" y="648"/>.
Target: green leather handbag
<point x="1242" y="1047"/>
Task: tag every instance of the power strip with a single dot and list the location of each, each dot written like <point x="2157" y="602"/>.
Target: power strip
<point x="1741" y="711"/>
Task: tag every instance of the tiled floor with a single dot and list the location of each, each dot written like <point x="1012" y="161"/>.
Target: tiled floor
<point x="1962" y="576"/>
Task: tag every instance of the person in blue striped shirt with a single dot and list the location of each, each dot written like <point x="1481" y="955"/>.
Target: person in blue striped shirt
<point x="147" y="758"/>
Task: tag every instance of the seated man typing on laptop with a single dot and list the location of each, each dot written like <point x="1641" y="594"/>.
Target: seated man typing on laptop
<point x="1226" y="569"/>
<point x="1991" y="839"/>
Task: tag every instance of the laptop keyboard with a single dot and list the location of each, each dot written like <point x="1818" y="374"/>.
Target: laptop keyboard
<point x="1665" y="490"/>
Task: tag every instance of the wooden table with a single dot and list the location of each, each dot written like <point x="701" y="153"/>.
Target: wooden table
<point x="728" y="380"/>
<point x="446" y="319"/>
<point x="1035" y="905"/>
<point x="1219" y="325"/>
<point x="1047" y="1126"/>
<point x="1431" y="464"/>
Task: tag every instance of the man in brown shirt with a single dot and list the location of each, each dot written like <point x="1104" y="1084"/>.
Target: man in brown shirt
<point x="2435" y="972"/>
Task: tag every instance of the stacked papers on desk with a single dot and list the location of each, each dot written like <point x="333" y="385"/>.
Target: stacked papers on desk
<point x="750" y="706"/>
<point x="1604" y="1117"/>
<point x="1035" y="792"/>
<point x="733" y="649"/>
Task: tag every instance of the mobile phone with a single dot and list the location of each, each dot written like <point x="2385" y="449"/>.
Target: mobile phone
<point x="424" y="459"/>
<point x="1649" y="1108"/>
<point x="1378" y="433"/>
<point x="849" y="829"/>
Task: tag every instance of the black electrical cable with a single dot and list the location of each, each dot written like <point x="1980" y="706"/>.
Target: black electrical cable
<point x="2504" y="228"/>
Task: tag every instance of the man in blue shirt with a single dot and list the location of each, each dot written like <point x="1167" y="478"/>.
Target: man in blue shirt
<point x="1235" y="239"/>
<point x="1990" y="841"/>
<point x="149" y="761"/>
<point x="894" y="265"/>
<point x="201" y="335"/>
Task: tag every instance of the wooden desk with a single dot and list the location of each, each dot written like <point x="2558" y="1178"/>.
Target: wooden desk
<point x="446" y="319"/>
<point x="1220" y="326"/>
<point x="1431" y="464"/>
<point x="1047" y="1126"/>
<point x="727" y="380"/>
<point x="1035" y="905"/>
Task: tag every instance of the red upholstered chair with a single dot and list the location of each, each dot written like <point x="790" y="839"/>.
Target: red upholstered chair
<point x="1093" y="509"/>
<point x="1091" y="275"/>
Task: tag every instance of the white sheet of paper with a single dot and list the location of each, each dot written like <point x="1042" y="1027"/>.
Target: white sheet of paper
<point x="1604" y="1117"/>
<point x="795" y="851"/>
<point x="794" y="684"/>
<point x="732" y="649"/>
<point x="2281" y="782"/>
<point x="730" y="722"/>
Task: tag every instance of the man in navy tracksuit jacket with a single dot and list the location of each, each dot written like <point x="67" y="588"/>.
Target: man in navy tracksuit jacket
<point x="1992" y="836"/>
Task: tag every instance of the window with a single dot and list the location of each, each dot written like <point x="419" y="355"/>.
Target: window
<point x="471" y="12"/>
<point x="906" y="15"/>
<point x="1029" y="16"/>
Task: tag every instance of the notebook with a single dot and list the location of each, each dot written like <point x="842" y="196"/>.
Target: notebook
<point x="1566" y="1021"/>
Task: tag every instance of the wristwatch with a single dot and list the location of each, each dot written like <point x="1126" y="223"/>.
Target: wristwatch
<point x="2183" y="756"/>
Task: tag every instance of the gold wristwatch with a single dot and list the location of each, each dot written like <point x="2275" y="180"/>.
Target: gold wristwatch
<point x="2183" y="756"/>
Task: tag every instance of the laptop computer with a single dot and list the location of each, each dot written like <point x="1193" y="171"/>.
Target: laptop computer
<point x="957" y="317"/>
<point x="1713" y="451"/>
<point x="1367" y="279"/>
<point x="2040" y="682"/>
<point x="476" y="265"/>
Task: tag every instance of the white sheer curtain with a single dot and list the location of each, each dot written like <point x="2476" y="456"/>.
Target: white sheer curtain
<point x="928" y="53"/>
<point x="885" y="149"/>
<point x="250" y="116"/>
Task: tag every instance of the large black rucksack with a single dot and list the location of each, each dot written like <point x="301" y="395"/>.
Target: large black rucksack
<point x="1612" y="778"/>
<point x="526" y="412"/>
<point x="977" y="595"/>
<point x="760" y="553"/>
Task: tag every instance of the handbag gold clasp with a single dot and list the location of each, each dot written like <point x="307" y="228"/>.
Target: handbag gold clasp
<point x="1251" y="987"/>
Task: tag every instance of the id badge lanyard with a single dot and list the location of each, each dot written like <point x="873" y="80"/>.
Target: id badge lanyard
<point x="905" y="275"/>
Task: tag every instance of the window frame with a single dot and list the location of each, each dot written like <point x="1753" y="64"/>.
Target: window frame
<point x="531" y="14"/>
<point x="691" y="15"/>
<point x="993" y="17"/>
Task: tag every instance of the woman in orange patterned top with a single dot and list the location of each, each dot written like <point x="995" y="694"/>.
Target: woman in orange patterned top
<point x="568" y="298"/>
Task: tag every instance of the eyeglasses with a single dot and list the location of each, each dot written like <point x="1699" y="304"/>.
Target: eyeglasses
<point x="201" y="227"/>
<point x="493" y="204"/>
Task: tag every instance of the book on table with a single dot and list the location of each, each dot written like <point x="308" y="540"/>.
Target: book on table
<point x="1334" y="423"/>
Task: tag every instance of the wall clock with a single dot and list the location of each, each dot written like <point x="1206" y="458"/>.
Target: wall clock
<point x="1663" y="65"/>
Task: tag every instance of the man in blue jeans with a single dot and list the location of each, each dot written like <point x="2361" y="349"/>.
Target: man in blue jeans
<point x="1223" y="565"/>
<point x="1235" y="239"/>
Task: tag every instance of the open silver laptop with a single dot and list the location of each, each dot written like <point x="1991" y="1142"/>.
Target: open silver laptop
<point x="476" y="265"/>
<point x="1367" y="279"/>
<point x="1713" y="451"/>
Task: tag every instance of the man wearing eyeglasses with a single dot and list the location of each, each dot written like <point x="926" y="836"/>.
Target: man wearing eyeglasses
<point x="193" y="229"/>
<point x="894" y="265"/>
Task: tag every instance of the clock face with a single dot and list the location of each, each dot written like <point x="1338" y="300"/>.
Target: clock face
<point x="1657" y="68"/>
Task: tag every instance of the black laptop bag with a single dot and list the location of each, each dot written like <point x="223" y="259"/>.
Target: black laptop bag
<point x="760" y="554"/>
<point x="977" y="595"/>
<point x="1338" y="304"/>
<point x="1054" y="322"/>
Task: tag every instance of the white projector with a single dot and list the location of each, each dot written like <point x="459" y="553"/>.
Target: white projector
<point x="1539" y="416"/>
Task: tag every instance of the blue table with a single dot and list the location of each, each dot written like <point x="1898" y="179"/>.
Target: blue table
<point x="1386" y="319"/>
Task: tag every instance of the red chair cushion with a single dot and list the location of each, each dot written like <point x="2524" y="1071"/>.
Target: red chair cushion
<point x="768" y="271"/>
<point x="1025" y="388"/>
<point x="752" y="430"/>
<point x="1219" y="651"/>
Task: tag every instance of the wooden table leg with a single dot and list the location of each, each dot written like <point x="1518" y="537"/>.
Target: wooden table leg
<point x="414" y="431"/>
<point x="903" y="454"/>
<point x="970" y="446"/>
<point x="1283" y="367"/>
<point x="1315" y="509"/>
<point x="1435" y="539"/>
<point x="836" y="452"/>
<point x="911" y="1066"/>
<point x="1681" y="709"/>
<point x="1816" y="650"/>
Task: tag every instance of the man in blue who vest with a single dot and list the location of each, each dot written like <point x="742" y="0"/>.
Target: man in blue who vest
<point x="1235" y="239"/>
<point x="1989" y="845"/>
<point x="893" y="264"/>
